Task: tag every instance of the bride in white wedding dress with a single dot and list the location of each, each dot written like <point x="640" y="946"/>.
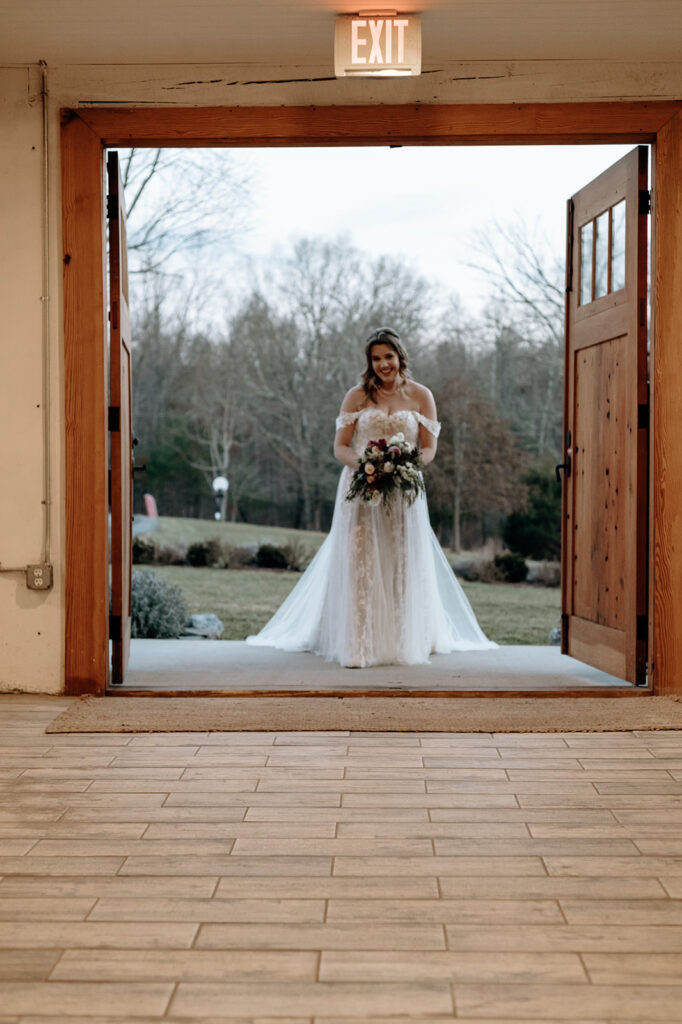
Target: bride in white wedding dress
<point x="380" y="590"/>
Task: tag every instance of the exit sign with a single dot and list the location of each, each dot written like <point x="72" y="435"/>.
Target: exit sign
<point x="369" y="45"/>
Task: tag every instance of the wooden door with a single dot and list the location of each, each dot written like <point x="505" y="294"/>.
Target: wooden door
<point x="604" y="542"/>
<point x="120" y="426"/>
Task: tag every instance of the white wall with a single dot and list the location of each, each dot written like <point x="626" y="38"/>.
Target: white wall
<point x="32" y="624"/>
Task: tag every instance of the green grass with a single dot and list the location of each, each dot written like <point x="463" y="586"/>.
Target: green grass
<point x="176" y="531"/>
<point x="244" y="599"/>
<point x="515" y="613"/>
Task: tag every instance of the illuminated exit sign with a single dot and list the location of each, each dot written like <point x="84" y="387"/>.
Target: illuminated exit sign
<point x="377" y="44"/>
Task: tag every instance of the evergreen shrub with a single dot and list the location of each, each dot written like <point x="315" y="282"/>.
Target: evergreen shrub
<point x="511" y="568"/>
<point x="270" y="557"/>
<point x="535" y="531"/>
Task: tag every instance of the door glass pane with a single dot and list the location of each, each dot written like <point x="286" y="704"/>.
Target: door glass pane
<point x="618" y="246"/>
<point x="586" y="263"/>
<point x="601" y="255"/>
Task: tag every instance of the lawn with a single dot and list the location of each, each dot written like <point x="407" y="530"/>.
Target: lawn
<point x="244" y="599"/>
<point x="176" y="532"/>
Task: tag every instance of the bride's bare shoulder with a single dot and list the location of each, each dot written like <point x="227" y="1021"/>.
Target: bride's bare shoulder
<point x="423" y="397"/>
<point x="354" y="400"/>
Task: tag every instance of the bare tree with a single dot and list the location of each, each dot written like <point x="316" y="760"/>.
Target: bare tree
<point x="303" y="348"/>
<point x="211" y="395"/>
<point x="479" y="461"/>
<point x="181" y="201"/>
<point x="524" y="322"/>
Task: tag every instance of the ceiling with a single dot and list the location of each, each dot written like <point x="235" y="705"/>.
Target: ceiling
<point x="299" y="33"/>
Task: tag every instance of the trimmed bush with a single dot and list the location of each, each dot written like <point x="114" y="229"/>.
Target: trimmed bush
<point x="296" y="555"/>
<point x="205" y="553"/>
<point x="238" y="557"/>
<point x="171" y="554"/>
<point x="144" y="551"/>
<point x="511" y="568"/>
<point x="270" y="557"/>
<point x="548" y="574"/>
<point x="159" y="610"/>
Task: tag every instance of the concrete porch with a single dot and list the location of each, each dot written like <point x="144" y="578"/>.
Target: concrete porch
<point x="236" y="666"/>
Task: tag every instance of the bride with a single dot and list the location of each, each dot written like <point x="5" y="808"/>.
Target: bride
<point x="379" y="591"/>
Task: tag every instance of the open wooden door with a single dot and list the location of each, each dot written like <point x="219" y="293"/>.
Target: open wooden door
<point x="604" y="541"/>
<point x="120" y="426"/>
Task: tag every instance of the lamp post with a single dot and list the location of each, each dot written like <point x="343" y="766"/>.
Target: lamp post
<point x="220" y="487"/>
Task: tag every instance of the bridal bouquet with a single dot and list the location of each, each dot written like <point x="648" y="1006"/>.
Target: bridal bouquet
<point x="387" y="468"/>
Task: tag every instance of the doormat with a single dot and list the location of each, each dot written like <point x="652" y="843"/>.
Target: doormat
<point x="369" y="714"/>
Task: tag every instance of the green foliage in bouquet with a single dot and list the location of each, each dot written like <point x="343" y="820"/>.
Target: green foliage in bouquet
<point x="387" y="468"/>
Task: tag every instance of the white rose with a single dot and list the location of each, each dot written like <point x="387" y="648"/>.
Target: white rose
<point x="369" y="468"/>
<point x="397" y="439"/>
<point x="388" y="467"/>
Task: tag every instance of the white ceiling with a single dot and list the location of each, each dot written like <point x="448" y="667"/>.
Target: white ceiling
<point x="299" y="33"/>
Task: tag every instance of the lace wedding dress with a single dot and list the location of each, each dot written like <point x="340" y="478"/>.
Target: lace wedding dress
<point x="380" y="590"/>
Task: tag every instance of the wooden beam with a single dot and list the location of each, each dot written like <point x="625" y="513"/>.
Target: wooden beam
<point x="666" y="376"/>
<point x="85" y="376"/>
<point x="423" y="124"/>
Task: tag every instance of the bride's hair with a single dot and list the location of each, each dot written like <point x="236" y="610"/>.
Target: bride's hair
<point x="382" y="336"/>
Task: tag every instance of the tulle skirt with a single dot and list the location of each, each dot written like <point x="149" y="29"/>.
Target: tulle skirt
<point x="379" y="591"/>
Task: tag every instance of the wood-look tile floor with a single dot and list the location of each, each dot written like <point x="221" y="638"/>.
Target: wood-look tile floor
<point x="337" y="878"/>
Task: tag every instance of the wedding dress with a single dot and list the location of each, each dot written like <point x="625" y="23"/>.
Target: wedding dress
<point x="380" y="590"/>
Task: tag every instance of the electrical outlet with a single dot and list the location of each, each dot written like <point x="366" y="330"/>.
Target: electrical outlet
<point x="39" y="577"/>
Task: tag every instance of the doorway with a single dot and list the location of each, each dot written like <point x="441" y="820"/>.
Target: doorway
<point x="445" y="126"/>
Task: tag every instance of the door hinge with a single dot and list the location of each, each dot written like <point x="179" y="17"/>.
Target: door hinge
<point x="569" y="251"/>
<point x="643" y="416"/>
<point x="115" y="627"/>
<point x="114" y="423"/>
<point x="644" y="201"/>
<point x="112" y="206"/>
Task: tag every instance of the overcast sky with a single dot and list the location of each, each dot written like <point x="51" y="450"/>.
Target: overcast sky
<point x="425" y="203"/>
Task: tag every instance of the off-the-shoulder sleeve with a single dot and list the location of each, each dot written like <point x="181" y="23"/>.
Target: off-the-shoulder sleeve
<point x="344" y="419"/>
<point x="432" y="426"/>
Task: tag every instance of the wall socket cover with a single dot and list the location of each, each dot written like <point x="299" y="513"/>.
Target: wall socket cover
<point x="39" y="577"/>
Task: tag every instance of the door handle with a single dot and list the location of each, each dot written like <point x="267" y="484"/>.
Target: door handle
<point x="566" y="466"/>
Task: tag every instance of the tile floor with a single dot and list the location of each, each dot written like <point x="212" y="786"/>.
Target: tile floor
<point x="337" y="878"/>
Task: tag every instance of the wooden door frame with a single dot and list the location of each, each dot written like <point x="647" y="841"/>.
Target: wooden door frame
<point x="85" y="135"/>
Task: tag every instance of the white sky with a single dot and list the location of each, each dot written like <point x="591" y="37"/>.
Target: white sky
<point x="424" y="203"/>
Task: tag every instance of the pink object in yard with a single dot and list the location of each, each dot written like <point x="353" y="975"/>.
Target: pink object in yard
<point x="150" y="506"/>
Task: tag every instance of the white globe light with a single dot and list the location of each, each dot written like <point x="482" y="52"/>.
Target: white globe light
<point x="220" y="484"/>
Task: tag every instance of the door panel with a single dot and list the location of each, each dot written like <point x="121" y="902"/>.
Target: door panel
<point x="604" y="534"/>
<point x="120" y="425"/>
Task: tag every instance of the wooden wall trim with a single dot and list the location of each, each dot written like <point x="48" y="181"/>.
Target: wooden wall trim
<point x="427" y="124"/>
<point x="666" y="377"/>
<point x="85" y="375"/>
